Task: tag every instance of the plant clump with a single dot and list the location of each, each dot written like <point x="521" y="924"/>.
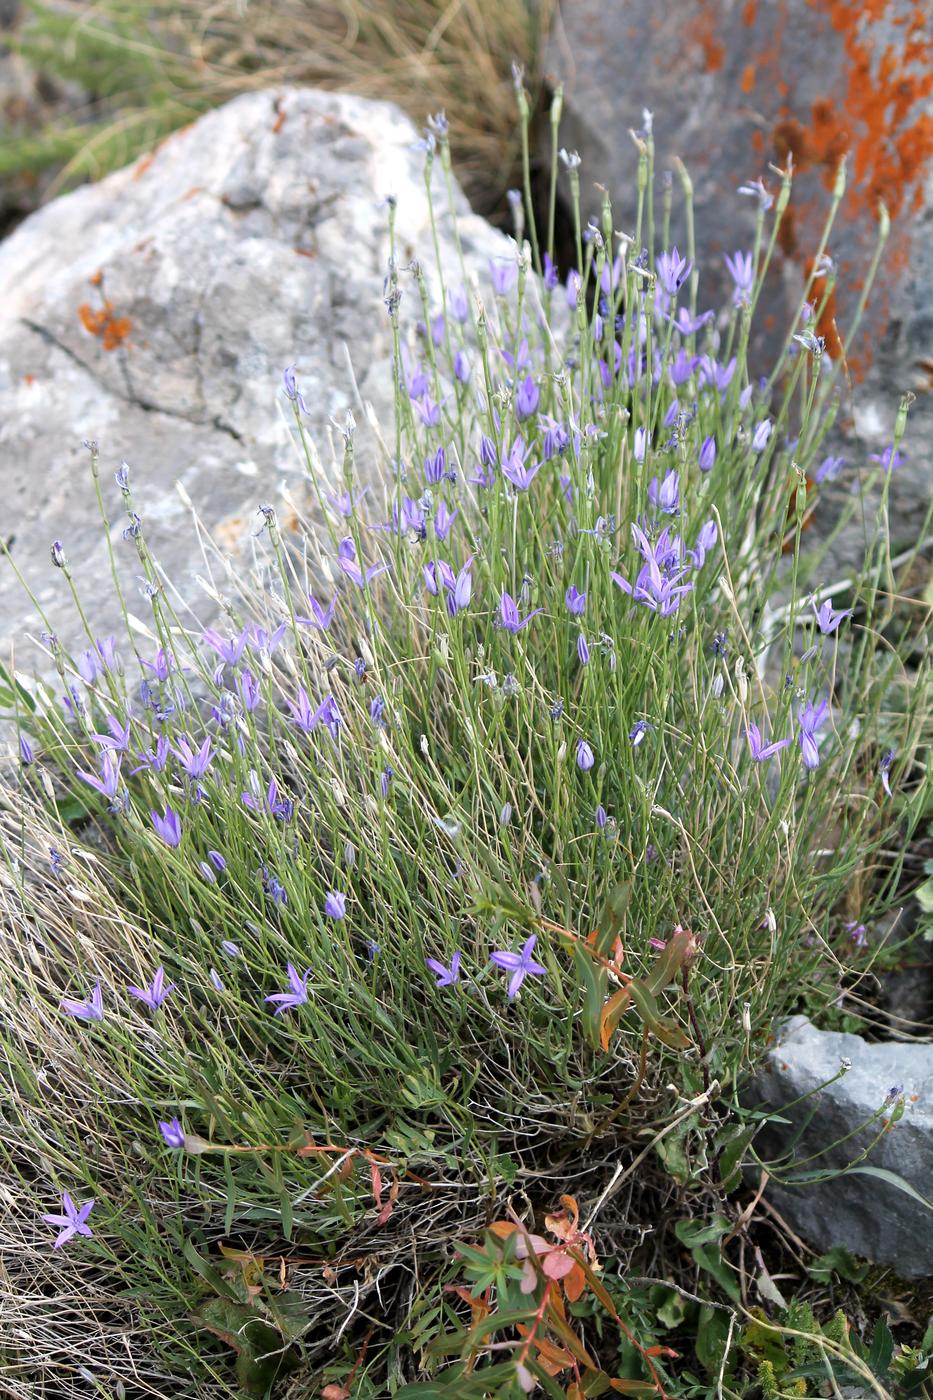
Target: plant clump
<point x="457" y="873"/>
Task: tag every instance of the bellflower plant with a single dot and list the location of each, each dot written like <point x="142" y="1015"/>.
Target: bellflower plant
<point x="543" y="694"/>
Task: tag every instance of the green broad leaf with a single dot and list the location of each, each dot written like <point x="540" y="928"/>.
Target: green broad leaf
<point x="924" y="896"/>
<point x="666" y="967"/>
<point x="72" y="810"/>
<point x="595" y="1383"/>
<point x="546" y="1382"/>
<point x="210" y="1275"/>
<point x="763" y="1342"/>
<point x="694" y="1232"/>
<point x="230" y="1206"/>
<point x="671" y="1312"/>
<point x="839" y="1261"/>
<point x="672" y="1150"/>
<point x="260" y="1359"/>
<point x="882" y="1348"/>
<point x="668" y="1032"/>
<point x="459" y="1386"/>
<point x="709" y="1258"/>
<point x="595" y="982"/>
<point x="12" y="692"/>
<point x="711" y="1336"/>
<point x="611" y="920"/>
<point x="736" y="1145"/>
<point x="499" y="1321"/>
<point x="504" y="1168"/>
<point x="287" y="1215"/>
<point x="892" y="1179"/>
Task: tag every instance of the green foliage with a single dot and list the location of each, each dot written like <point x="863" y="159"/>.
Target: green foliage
<point x="473" y="785"/>
<point x="148" y="69"/>
<point x="796" y="1355"/>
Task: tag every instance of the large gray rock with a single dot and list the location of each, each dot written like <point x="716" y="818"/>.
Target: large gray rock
<point x="866" y="1214"/>
<point x="253" y="239"/>
<point x="736" y="86"/>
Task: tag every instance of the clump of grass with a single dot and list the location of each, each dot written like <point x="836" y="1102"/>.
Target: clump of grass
<point x="149" y="69"/>
<point x="483" y="843"/>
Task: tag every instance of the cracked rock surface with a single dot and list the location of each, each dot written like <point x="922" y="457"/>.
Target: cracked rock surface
<point x="154" y="312"/>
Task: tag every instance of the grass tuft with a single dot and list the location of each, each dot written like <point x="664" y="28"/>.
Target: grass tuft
<point x="476" y="782"/>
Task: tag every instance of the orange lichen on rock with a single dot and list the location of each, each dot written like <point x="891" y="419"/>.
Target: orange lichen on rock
<point x="880" y="118"/>
<point x="748" y="78"/>
<point x="701" y="30"/>
<point x="110" y="329"/>
<point x="143" y="164"/>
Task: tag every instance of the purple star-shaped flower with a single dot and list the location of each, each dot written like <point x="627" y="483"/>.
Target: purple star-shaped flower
<point x="826" y="619"/>
<point x="759" y="751"/>
<point x="298" y="995"/>
<point x="109" y="780"/>
<point x="513" y="465"/>
<point x="173" y="1134"/>
<point x="889" y="460"/>
<point x="72" y="1221"/>
<point x="673" y="271"/>
<point x="446" y="976"/>
<point x="167" y="826"/>
<point x="585" y="756"/>
<point x="335" y="904"/>
<point x="742" y="271"/>
<point x="884" y="768"/>
<point x="346" y="559"/>
<point x="194" y="761"/>
<point x="509" y="617"/>
<point x="156" y="992"/>
<point x="444" y="520"/>
<point x="527" y="398"/>
<point x="119" y="737"/>
<point x="91" y="1009"/>
<point x="811" y="717"/>
<point x="665" y="493"/>
<point x="229" y="649"/>
<point x="520" y="965"/>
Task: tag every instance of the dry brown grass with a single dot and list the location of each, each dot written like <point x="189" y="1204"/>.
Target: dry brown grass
<point x="177" y="59"/>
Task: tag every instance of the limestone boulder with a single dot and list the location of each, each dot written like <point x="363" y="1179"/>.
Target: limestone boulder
<point x="154" y="312"/>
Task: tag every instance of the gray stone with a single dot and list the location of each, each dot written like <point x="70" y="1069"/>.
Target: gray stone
<point x="734" y="87"/>
<point x="253" y="239"/>
<point x="866" y="1214"/>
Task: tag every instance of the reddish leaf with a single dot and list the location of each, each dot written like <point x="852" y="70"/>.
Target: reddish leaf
<point x="552" y="1357"/>
<point x="681" y="949"/>
<point x="376" y="1176"/>
<point x="612" y="1012"/>
<point x="574" y="1283"/>
<point x="529" y="1278"/>
<point x="557" y="1264"/>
